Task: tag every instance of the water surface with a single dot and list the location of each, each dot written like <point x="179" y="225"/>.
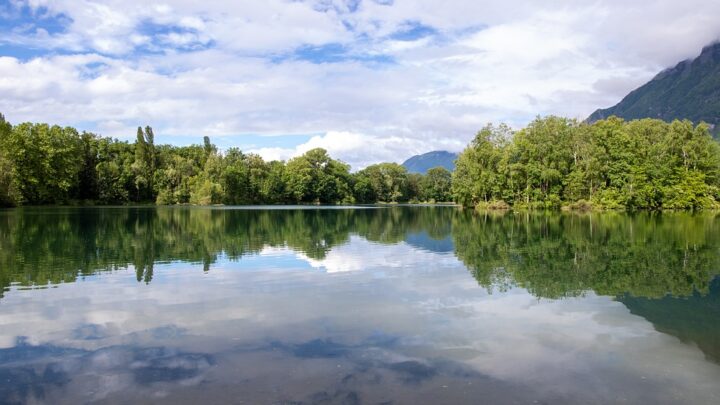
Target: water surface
<point x="357" y="305"/>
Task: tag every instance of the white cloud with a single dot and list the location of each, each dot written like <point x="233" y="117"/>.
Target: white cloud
<point x="434" y="308"/>
<point x="361" y="150"/>
<point x="227" y="68"/>
<point x="349" y="258"/>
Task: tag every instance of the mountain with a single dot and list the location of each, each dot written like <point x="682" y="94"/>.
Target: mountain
<point x="422" y="163"/>
<point x="690" y="90"/>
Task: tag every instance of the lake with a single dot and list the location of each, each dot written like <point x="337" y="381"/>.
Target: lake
<point x="351" y="305"/>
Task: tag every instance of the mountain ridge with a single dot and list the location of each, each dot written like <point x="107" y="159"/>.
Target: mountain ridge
<point x="689" y="90"/>
<point x="426" y="161"/>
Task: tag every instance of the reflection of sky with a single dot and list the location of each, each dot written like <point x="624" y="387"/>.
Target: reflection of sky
<point x="370" y="322"/>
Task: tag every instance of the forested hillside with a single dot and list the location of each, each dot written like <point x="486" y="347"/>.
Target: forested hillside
<point x="690" y="90"/>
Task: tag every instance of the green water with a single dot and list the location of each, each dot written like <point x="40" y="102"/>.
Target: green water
<point x="357" y="305"/>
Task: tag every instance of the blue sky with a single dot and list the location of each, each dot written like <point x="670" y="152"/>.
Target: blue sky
<point x="368" y="80"/>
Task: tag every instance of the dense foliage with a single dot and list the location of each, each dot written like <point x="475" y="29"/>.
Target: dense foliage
<point x="43" y="164"/>
<point x="554" y="162"/>
<point x="642" y="164"/>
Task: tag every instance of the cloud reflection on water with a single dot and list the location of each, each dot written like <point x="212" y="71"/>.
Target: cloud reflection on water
<point x="366" y="320"/>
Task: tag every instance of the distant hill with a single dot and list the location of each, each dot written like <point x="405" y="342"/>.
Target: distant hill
<point x="690" y="90"/>
<point x="422" y="163"/>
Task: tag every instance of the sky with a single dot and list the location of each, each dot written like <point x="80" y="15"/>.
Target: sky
<point x="368" y="80"/>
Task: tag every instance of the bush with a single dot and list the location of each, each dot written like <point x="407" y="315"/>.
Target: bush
<point x="580" y="205"/>
<point x="206" y="193"/>
<point x="165" y="197"/>
<point x="494" y="205"/>
<point x="609" y="199"/>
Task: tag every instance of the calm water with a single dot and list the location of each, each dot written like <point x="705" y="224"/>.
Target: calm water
<point x="400" y="305"/>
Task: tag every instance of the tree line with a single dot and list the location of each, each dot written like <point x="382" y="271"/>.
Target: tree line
<point x="554" y="162"/>
<point x="609" y="164"/>
<point x="43" y="164"/>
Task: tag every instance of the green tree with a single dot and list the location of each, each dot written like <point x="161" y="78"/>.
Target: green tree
<point x="414" y="188"/>
<point x="145" y="164"/>
<point x="273" y="188"/>
<point x="436" y="185"/>
<point x="363" y="190"/>
<point x="88" y="177"/>
<point x="388" y="181"/>
<point x="47" y="161"/>
<point x="115" y="176"/>
<point x="477" y="177"/>
<point x="544" y="149"/>
<point x="258" y="171"/>
<point x="206" y="187"/>
<point x="236" y="178"/>
<point x="314" y="177"/>
<point x="9" y="194"/>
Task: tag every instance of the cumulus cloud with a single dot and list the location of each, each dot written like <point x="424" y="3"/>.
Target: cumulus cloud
<point x="361" y="150"/>
<point x="376" y="80"/>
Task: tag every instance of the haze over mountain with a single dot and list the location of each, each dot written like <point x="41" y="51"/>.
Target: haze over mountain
<point x="422" y="163"/>
<point x="690" y="90"/>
